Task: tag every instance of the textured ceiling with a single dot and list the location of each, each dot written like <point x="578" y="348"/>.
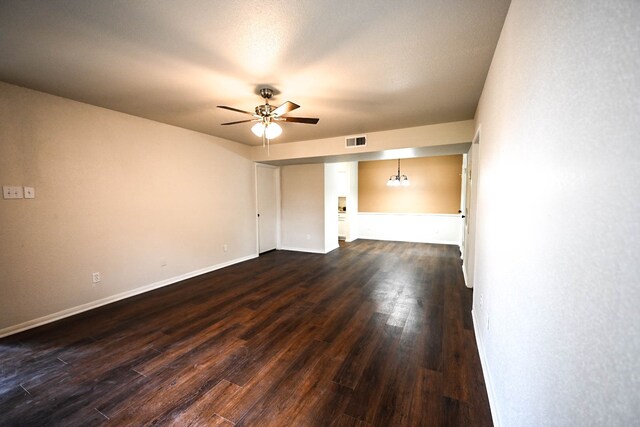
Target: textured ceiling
<point x="360" y="66"/>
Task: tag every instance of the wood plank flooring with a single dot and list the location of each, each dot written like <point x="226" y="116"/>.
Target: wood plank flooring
<point x="372" y="334"/>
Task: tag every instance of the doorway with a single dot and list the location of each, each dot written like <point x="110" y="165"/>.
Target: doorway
<point x="470" y="209"/>
<point x="267" y="206"/>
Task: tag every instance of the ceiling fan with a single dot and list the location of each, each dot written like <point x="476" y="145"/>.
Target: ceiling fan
<point x="267" y="115"/>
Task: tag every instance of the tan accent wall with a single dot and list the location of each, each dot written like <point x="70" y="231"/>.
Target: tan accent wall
<point x="435" y="185"/>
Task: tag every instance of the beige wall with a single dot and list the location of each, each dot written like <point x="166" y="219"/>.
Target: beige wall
<point x="407" y="140"/>
<point x="303" y="199"/>
<point x="435" y="185"/>
<point x="115" y="194"/>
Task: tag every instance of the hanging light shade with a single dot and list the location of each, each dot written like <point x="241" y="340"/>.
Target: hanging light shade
<point x="269" y="130"/>
<point x="258" y="129"/>
<point x="273" y="130"/>
<point x="398" y="180"/>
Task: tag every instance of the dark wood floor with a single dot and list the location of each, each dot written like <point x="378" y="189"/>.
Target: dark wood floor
<point x="374" y="333"/>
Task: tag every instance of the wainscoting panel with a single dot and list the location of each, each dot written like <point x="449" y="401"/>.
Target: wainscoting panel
<point x="420" y="228"/>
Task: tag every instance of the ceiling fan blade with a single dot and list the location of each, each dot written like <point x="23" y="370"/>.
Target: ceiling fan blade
<point x="284" y="108"/>
<point x="240" y="121"/>
<point x="236" y="110"/>
<point x="309" y="120"/>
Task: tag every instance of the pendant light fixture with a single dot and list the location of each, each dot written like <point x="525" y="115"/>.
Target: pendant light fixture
<point x="398" y="180"/>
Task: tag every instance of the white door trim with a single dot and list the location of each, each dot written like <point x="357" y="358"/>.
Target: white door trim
<point x="468" y="260"/>
<point x="278" y="204"/>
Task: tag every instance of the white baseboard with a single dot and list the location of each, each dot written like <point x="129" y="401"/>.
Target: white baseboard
<point x="400" y="239"/>
<point x="311" y="251"/>
<point x="467" y="283"/>
<point x="333" y="248"/>
<point x="485" y="372"/>
<point x="464" y="276"/>
<point x="117" y="297"/>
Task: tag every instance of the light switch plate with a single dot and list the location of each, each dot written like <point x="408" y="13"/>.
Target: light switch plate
<point x="29" y="192"/>
<point x="12" y="192"/>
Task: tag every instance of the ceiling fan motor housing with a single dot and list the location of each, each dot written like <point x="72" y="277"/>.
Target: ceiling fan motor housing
<point x="266" y="93"/>
<point x="266" y="114"/>
<point x="264" y="110"/>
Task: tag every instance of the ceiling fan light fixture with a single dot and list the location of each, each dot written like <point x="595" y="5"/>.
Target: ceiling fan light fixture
<point x="272" y="130"/>
<point x="269" y="130"/>
<point x="265" y="115"/>
<point x="258" y="129"/>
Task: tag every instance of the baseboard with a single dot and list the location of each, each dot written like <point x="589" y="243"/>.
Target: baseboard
<point x="30" y="324"/>
<point x="333" y="248"/>
<point x="485" y="372"/>
<point x="467" y="283"/>
<point x="430" y="241"/>
<point x="311" y="251"/>
<point x="464" y="276"/>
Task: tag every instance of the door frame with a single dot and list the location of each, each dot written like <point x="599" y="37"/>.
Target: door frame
<point x="278" y="204"/>
<point x="464" y="203"/>
<point x="469" y="252"/>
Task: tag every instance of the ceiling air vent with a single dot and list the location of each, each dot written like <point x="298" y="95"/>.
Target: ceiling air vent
<point x="356" y="141"/>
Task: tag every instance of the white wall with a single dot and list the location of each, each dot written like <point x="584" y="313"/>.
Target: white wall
<point x="352" y="201"/>
<point x="421" y="228"/>
<point x="302" y="195"/>
<point x="115" y="194"/>
<point x="558" y="227"/>
<point x="331" y="206"/>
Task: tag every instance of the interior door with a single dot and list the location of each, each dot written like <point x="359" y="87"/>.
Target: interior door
<point x="267" y="204"/>
<point x="465" y="202"/>
<point x="466" y="205"/>
<point x="468" y="253"/>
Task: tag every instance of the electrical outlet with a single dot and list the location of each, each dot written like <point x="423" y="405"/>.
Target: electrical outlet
<point x="96" y="277"/>
<point x="225" y="247"/>
<point x="308" y="236"/>
<point x="481" y="301"/>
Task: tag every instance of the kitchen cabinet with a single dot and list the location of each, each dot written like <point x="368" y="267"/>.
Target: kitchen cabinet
<point x="342" y="226"/>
